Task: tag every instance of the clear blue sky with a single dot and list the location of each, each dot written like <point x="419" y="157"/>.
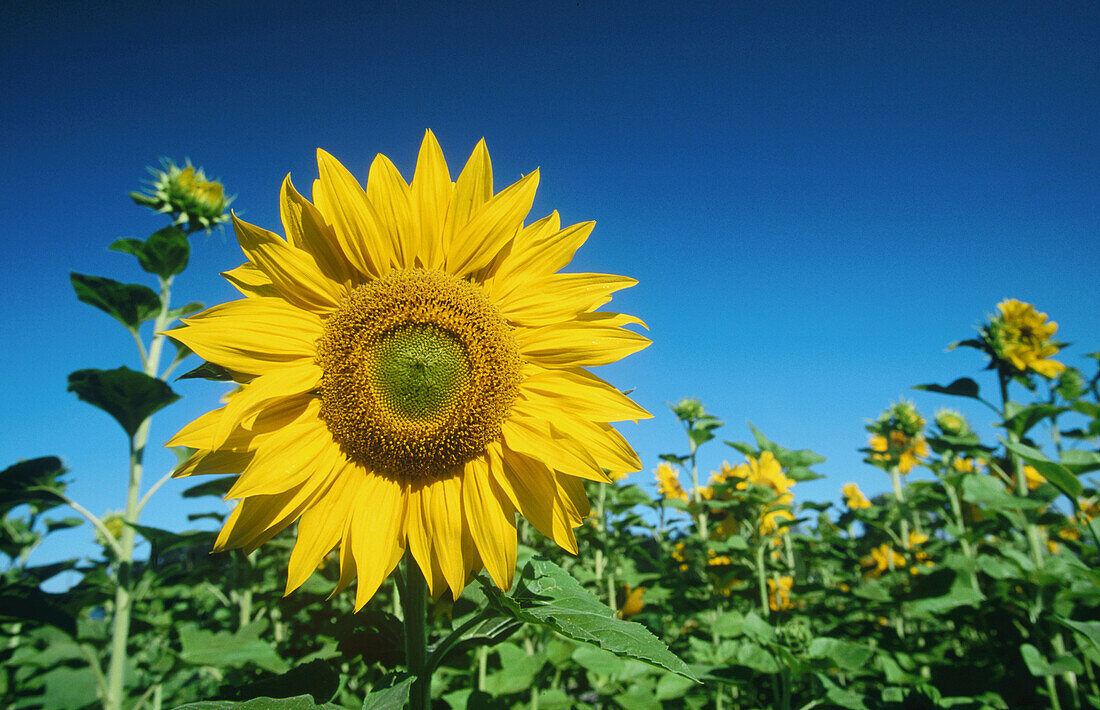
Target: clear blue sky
<point x="815" y="197"/>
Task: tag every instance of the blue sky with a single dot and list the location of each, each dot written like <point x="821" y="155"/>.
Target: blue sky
<point x="815" y="198"/>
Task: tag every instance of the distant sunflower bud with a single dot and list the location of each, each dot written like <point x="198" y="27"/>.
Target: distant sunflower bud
<point x="689" y="409"/>
<point x="952" y="423"/>
<point x="115" y="523"/>
<point x="187" y="195"/>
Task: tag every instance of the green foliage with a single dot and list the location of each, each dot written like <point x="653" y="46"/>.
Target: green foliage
<point x="130" y="397"/>
<point x="129" y="304"/>
<point x="165" y="253"/>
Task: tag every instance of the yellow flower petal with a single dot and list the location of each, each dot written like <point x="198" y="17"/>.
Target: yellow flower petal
<point x="582" y="393"/>
<point x="476" y="243"/>
<point x="388" y="193"/>
<point x="558" y="297"/>
<point x="343" y="203"/>
<point x="293" y="272"/>
<point x="377" y="522"/>
<point x="491" y="522"/>
<point x="253" y="335"/>
<point x="578" y="343"/>
<point x="429" y="196"/>
<point x="306" y="229"/>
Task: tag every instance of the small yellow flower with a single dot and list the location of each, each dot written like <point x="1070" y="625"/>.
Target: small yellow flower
<point x="1020" y="337"/>
<point x="679" y="553"/>
<point x="1034" y="478"/>
<point x="882" y="559"/>
<point x="633" y="601"/>
<point x="779" y="594"/>
<point x="1069" y="534"/>
<point x="668" y="482"/>
<point x="965" y="465"/>
<point x="854" y="497"/>
<point x="616" y="476"/>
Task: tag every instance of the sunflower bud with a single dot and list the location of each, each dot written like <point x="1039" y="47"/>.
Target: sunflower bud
<point x="952" y="423"/>
<point x="187" y="195"/>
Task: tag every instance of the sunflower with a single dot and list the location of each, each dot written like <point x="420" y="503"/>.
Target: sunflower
<point x="854" y="497"/>
<point x="668" y="482"/>
<point x="412" y="371"/>
<point x="1021" y="338"/>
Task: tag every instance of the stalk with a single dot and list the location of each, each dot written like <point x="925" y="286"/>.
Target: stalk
<point x="124" y="599"/>
<point x="415" y="603"/>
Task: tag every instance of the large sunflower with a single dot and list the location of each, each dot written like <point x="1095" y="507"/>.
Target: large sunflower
<point x="412" y="371"/>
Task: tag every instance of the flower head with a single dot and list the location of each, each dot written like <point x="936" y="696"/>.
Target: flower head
<point x="413" y="375"/>
<point x="779" y="593"/>
<point x="854" y="498"/>
<point x="668" y="482"/>
<point x="1019" y="338"/>
<point x="897" y="437"/>
<point x="187" y="194"/>
<point x="633" y="601"/>
<point x="882" y="559"/>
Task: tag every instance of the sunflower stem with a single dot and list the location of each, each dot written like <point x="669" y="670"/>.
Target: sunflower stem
<point x="415" y="605"/>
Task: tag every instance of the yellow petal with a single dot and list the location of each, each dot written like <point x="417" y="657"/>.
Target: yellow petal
<point x="491" y="522"/>
<point x="540" y="249"/>
<point x="429" y="196"/>
<point x="200" y="434"/>
<point x="250" y="281"/>
<point x="306" y="229"/>
<point x="581" y="393"/>
<point x="319" y="529"/>
<point x="205" y="463"/>
<point x="473" y="189"/>
<point x="443" y="501"/>
<point x="340" y="199"/>
<point x="578" y="343"/>
<point x="535" y="491"/>
<point x="599" y="439"/>
<point x="257" y="519"/>
<point x="389" y="195"/>
<point x="293" y="272"/>
<point x="535" y="438"/>
<point x="559" y="297"/>
<point x="300" y="455"/>
<point x="252" y="335"/>
<point x="258" y="394"/>
<point x="377" y="526"/>
<point x="477" y="242"/>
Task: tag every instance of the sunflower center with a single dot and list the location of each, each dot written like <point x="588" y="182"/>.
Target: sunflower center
<point x="419" y="372"/>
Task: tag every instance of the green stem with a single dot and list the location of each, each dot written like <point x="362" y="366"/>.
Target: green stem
<point x="697" y="494"/>
<point x="899" y="494"/>
<point x="415" y="603"/>
<point x="956" y="510"/>
<point x="761" y="580"/>
<point x="124" y="599"/>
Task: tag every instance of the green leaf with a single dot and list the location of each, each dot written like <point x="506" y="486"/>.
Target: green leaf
<point x="130" y="397"/>
<point x="302" y="702"/>
<point x="207" y="371"/>
<point x="32" y="482"/>
<point x="1053" y="471"/>
<point x="1088" y="629"/>
<point x="316" y="679"/>
<point x="990" y="493"/>
<point x="1023" y="419"/>
<point x="129" y="304"/>
<point x="554" y="599"/>
<point x="933" y="607"/>
<point x="962" y="387"/>
<point x="757" y="658"/>
<point x="673" y="686"/>
<point x="68" y="688"/>
<point x="1079" y="461"/>
<point x="844" y="654"/>
<point x="786" y="457"/>
<point x="165" y="253"/>
<point x="393" y="697"/>
<point x="208" y="648"/>
<point x="23" y="602"/>
<point x="185" y="310"/>
<point x="1040" y="666"/>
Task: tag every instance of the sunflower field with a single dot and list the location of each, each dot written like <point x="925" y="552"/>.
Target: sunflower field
<point x="429" y="506"/>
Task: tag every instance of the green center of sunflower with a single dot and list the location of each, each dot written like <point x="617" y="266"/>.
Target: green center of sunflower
<point x="419" y="372"/>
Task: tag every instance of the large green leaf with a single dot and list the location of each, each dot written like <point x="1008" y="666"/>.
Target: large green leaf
<point x="990" y="493"/>
<point x="548" y="596"/>
<point x="962" y="387"/>
<point x="1021" y="419"/>
<point x="844" y="654"/>
<point x="164" y="253"/>
<point x="31" y="482"/>
<point x="127" y="395"/>
<point x="392" y="697"/>
<point x="316" y="679"/>
<point x="1053" y="471"/>
<point x="129" y="304"/>
<point x="1040" y="666"/>
<point x="208" y="648"/>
